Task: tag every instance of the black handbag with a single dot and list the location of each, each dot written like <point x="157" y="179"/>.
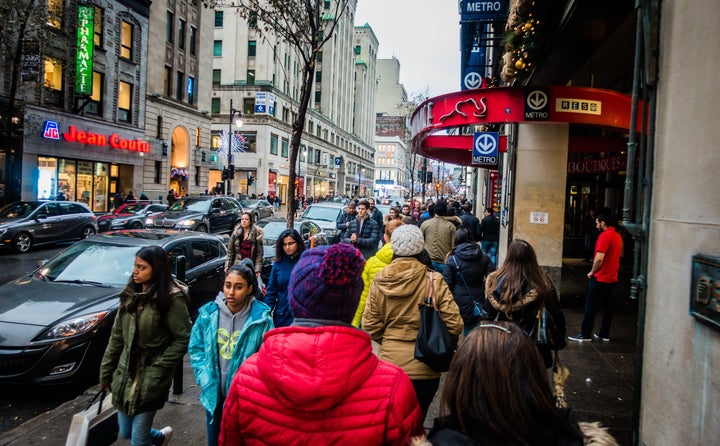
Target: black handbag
<point x="434" y="345"/>
<point x="547" y="333"/>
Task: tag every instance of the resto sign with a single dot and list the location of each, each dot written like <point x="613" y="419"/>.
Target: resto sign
<point x="115" y="141"/>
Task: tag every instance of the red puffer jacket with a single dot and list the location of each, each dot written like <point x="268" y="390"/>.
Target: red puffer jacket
<point x="319" y="385"/>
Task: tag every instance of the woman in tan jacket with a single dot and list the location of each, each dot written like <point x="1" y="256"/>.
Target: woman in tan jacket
<point x="391" y="315"/>
<point x="246" y="241"/>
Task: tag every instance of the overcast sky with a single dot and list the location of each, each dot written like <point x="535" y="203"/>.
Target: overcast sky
<point x="423" y="35"/>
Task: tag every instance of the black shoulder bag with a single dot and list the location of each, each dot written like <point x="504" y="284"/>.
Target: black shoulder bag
<point x="434" y="345"/>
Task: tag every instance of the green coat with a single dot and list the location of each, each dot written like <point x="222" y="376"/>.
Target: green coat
<point x="144" y="349"/>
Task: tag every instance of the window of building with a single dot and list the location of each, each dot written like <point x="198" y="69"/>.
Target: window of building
<point x="216" y="140"/>
<point x="55" y="13"/>
<point x="125" y="94"/>
<point x="317" y="156"/>
<point x="191" y="90"/>
<point x="248" y="106"/>
<point x="252" y="48"/>
<point x="126" y="40"/>
<point x="252" y="19"/>
<point x="193" y="38"/>
<point x="94" y="107"/>
<point x="250" y="139"/>
<point x="169" y="26"/>
<point x="158" y="172"/>
<point x="53" y="81"/>
<point x="98" y="27"/>
<point x="167" y="81"/>
<point x="219" y="18"/>
<point x="326" y="4"/>
<point x="217" y="48"/>
<point x="216" y="77"/>
<point x="179" y="84"/>
<point x="251" y="77"/>
<point x="318" y="98"/>
<point x="318" y="76"/>
<point x="273" y="144"/>
<point x="181" y="34"/>
<point x="358" y="49"/>
<point x="215" y="106"/>
<point x="284" y="148"/>
<point x="319" y="56"/>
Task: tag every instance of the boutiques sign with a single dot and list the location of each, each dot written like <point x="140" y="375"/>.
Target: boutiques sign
<point x="75" y="135"/>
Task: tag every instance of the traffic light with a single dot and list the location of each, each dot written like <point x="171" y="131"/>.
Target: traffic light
<point x="225" y="175"/>
<point x="428" y="179"/>
<point x="232" y="171"/>
<point x="251" y="180"/>
<point x="437" y="186"/>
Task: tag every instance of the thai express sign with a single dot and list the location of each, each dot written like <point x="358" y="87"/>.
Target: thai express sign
<point x="84" y="54"/>
<point x="115" y="141"/>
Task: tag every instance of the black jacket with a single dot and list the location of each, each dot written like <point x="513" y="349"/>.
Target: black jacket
<point x="474" y="265"/>
<point x="472" y="224"/>
<point x="368" y="238"/>
<point x="490" y="227"/>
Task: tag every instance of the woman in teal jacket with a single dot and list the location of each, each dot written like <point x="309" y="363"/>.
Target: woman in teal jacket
<point x="225" y="333"/>
<point x="148" y="340"/>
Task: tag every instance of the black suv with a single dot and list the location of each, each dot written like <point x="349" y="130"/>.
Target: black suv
<point x="202" y="213"/>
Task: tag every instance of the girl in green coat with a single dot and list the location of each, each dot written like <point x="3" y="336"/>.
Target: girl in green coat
<point x="149" y="339"/>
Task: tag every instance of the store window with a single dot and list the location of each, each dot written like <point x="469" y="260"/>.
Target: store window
<point x="47" y="178"/>
<point x="67" y="173"/>
<point x="85" y="182"/>
<point x="100" y="187"/>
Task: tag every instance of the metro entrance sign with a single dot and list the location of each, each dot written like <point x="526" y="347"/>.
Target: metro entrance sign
<point x="462" y="109"/>
<point x="484" y="10"/>
<point x="485" y="149"/>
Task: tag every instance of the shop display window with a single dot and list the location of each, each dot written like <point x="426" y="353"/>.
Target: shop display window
<point x="47" y="178"/>
<point x="100" y="187"/>
<point x="67" y="172"/>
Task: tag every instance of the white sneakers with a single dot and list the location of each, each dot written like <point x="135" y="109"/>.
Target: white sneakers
<point x="167" y="432"/>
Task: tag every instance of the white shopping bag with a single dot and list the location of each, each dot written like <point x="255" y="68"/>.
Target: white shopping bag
<point x="95" y="426"/>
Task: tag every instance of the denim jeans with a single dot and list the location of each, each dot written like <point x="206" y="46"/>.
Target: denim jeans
<point x="490" y="248"/>
<point x="212" y="421"/>
<point x="139" y="428"/>
<point x="599" y="296"/>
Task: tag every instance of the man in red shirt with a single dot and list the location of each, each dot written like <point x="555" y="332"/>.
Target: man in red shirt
<point x="603" y="275"/>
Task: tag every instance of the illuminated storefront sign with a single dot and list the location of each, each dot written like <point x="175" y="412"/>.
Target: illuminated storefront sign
<point x="74" y="135"/>
<point x="84" y="55"/>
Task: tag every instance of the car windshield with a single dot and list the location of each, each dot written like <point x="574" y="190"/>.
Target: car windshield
<point x="131" y="209"/>
<point x="91" y="261"/>
<point x="272" y="229"/>
<point x="321" y="213"/>
<point x="20" y="209"/>
<point x="191" y="204"/>
<point x="248" y="203"/>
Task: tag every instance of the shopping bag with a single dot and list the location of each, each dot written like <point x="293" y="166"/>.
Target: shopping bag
<point x="95" y="426"/>
<point x="434" y="345"/>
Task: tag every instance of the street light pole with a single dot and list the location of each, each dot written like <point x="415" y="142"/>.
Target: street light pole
<point x="230" y="166"/>
<point x="362" y="171"/>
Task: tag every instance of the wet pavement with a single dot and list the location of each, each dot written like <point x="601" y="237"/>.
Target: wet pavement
<point x="600" y="387"/>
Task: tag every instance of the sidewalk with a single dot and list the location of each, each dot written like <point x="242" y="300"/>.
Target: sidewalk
<point x="600" y="387"/>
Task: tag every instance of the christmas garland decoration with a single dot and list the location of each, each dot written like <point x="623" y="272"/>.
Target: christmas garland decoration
<point x="522" y="40"/>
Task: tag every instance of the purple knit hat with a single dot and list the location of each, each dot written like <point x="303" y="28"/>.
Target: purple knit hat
<point x="326" y="283"/>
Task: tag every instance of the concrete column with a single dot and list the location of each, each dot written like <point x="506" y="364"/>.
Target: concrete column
<point x="540" y="177"/>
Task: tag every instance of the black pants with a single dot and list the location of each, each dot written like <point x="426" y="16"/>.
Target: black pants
<point x="425" y="389"/>
<point x="599" y="297"/>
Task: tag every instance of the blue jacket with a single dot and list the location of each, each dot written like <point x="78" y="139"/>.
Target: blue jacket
<point x="276" y="293"/>
<point x="203" y="348"/>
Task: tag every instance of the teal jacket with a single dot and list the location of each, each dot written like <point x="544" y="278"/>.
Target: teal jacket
<point x="203" y="348"/>
<point x="144" y="349"/>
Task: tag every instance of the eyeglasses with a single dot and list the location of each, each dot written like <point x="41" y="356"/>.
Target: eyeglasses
<point x="289" y="244"/>
<point x="494" y="326"/>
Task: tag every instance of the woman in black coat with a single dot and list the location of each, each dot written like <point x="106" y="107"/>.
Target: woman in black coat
<point x="467" y="261"/>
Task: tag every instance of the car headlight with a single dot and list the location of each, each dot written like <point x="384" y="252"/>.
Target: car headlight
<point x="149" y="221"/>
<point x="117" y="223"/>
<point x="75" y="326"/>
<point x="3" y="231"/>
<point x="332" y="231"/>
<point x="186" y="223"/>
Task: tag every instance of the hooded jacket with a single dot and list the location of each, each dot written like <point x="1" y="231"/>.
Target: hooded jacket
<point x="277" y="290"/>
<point x="319" y="385"/>
<point x="204" y="349"/>
<point x="373" y="266"/>
<point x="144" y="348"/>
<point x="236" y="239"/>
<point x="467" y="260"/>
<point x="392" y="316"/>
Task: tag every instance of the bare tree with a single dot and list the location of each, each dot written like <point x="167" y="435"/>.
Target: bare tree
<point x="306" y="25"/>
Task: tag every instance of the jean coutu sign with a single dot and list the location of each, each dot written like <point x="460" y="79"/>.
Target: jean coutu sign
<point x="51" y="130"/>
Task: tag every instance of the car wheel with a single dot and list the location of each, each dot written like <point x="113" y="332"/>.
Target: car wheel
<point x="201" y="228"/>
<point x="136" y="225"/>
<point x="88" y="232"/>
<point x="22" y="242"/>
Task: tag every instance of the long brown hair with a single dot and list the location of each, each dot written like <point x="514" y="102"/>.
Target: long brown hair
<point x="497" y="385"/>
<point x="519" y="268"/>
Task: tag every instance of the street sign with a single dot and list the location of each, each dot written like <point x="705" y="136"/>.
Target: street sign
<point x="484" y="10"/>
<point x="485" y="150"/>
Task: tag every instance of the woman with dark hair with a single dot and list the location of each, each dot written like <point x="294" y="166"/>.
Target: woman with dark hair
<point x="518" y="289"/>
<point x="465" y="270"/>
<point x="226" y="332"/>
<point x="148" y="340"/>
<point x="391" y="315"/>
<point x="245" y="243"/>
<point x="393" y="214"/>
<point x="288" y="248"/>
<point x="496" y="393"/>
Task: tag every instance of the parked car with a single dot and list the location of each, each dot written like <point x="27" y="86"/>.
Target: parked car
<point x="56" y="321"/>
<point x="325" y="214"/>
<point x="311" y="233"/>
<point x="202" y="213"/>
<point x="24" y="224"/>
<point x="129" y="216"/>
<point x="259" y="208"/>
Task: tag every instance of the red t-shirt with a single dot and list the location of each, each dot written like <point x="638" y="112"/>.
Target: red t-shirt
<point x="610" y="243"/>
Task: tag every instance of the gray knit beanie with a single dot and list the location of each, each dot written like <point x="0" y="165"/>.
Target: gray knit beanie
<point x="407" y="241"/>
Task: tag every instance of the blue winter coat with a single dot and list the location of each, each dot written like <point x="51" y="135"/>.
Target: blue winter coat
<point x="276" y="293"/>
<point x="203" y="348"/>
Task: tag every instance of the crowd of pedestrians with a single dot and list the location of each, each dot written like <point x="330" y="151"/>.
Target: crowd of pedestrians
<point x="295" y="364"/>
